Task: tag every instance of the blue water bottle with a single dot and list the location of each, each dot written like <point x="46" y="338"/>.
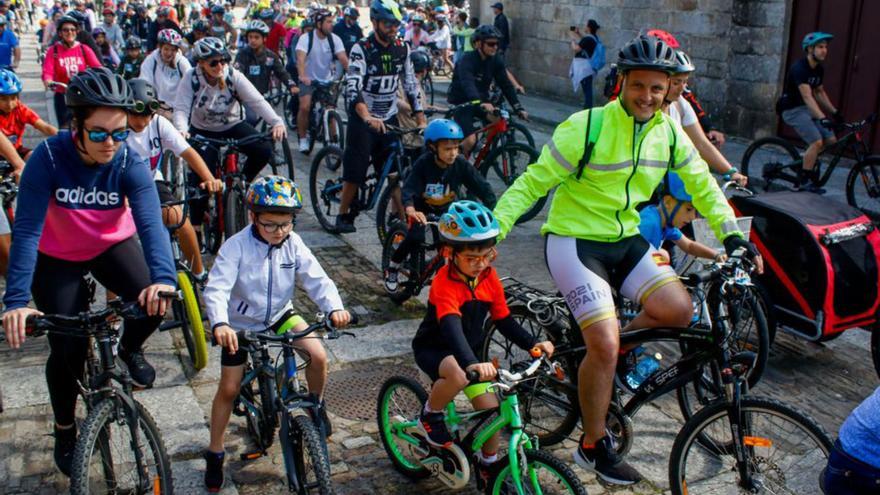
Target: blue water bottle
<point x="645" y="367"/>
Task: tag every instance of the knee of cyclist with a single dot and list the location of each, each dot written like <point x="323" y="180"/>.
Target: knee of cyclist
<point x="458" y="378"/>
<point x="816" y="145"/>
<point x="678" y="313"/>
<point x="318" y="360"/>
<point x="227" y="391"/>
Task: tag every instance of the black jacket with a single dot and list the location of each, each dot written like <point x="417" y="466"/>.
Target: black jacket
<point x="473" y="76"/>
<point x="502" y="25"/>
<point x="259" y="69"/>
<point x="430" y="189"/>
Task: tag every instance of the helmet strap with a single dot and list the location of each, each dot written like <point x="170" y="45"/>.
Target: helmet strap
<point x="670" y="215"/>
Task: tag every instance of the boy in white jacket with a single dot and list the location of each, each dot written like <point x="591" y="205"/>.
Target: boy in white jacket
<point x="250" y="288"/>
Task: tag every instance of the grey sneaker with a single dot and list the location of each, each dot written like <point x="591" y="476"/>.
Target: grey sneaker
<point x="604" y="461"/>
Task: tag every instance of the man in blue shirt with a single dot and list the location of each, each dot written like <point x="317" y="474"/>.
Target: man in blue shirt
<point x="661" y="222"/>
<point x="10" y="52"/>
<point x="854" y="464"/>
<point x="348" y="29"/>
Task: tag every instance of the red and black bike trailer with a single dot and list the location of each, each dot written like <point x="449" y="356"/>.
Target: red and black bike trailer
<point x="821" y="260"/>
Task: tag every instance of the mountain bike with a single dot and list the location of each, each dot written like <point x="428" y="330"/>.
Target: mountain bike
<point x="271" y="394"/>
<point x="416" y="271"/>
<point x="523" y="469"/>
<point x="325" y="122"/>
<point x="775" y="161"/>
<point x="325" y="179"/>
<point x="186" y="312"/>
<point x="551" y="407"/>
<point x="119" y="448"/>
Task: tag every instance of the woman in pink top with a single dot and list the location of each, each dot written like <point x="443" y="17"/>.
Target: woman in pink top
<point x="65" y="59"/>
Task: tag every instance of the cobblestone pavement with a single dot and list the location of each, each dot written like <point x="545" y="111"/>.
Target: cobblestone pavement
<point x="826" y="380"/>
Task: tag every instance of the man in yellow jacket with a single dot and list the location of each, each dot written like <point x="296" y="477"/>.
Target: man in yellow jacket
<point x="604" y="162"/>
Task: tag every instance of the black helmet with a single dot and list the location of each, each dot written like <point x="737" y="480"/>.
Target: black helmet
<point x="420" y="60"/>
<point x="209" y="47"/>
<point x="98" y="87"/>
<point x="78" y="16"/>
<point x="201" y="26"/>
<point x="146" y="102"/>
<point x="385" y="10"/>
<point x="133" y="43"/>
<point x="683" y="63"/>
<point x="648" y="53"/>
<point x="67" y="19"/>
<point x="485" y="32"/>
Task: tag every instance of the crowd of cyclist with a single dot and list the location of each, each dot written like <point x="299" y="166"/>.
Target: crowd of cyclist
<point x="133" y="87"/>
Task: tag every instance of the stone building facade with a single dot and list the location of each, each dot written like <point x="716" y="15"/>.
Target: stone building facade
<point x="738" y="46"/>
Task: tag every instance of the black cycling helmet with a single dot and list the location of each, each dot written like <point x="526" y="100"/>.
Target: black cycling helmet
<point x="78" y="16"/>
<point x="485" y="32"/>
<point x="647" y="53"/>
<point x="133" y="43"/>
<point x="201" y="26"/>
<point x="146" y="102"/>
<point x="209" y="47"/>
<point x="218" y="9"/>
<point x="420" y="60"/>
<point x="98" y="87"/>
<point x="66" y="19"/>
<point x="385" y="10"/>
<point x="684" y="65"/>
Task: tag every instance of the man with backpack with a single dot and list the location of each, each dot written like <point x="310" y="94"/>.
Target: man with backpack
<point x="316" y="53"/>
<point x="589" y="58"/>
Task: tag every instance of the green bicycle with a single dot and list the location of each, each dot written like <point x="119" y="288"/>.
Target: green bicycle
<point x="525" y="469"/>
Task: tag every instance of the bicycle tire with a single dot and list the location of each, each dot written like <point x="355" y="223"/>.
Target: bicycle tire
<point x="392" y="242"/>
<point x="562" y="415"/>
<point x="754" y="170"/>
<point x="503" y="160"/>
<point x="323" y="201"/>
<point x="707" y="386"/>
<point x="499" y="475"/>
<point x="411" y="468"/>
<point x="306" y="445"/>
<point x="234" y="213"/>
<point x="869" y="172"/>
<point x="254" y="421"/>
<point x="428" y="88"/>
<point x="94" y="428"/>
<point x="384" y="218"/>
<point x="174" y="172"/>
<point x="516" y="129"/>
<point x="693" y="432"/>
<point x="875" y="348"/>
<point x="333" y="116"/>
<point x="193" y="327"/>
<point x="285" y="160"/>
<point x="267" y="401"/>
<point x="212" y="237"/>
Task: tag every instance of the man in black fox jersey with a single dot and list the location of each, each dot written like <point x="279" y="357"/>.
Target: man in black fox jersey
<point x="378" y="64"/>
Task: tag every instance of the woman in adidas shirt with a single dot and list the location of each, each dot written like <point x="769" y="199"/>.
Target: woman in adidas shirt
<point x="83" y="196"/>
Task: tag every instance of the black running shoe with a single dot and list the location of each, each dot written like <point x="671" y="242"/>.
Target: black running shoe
<point x="391" y="283"/>
<point x="345" y="224"/>
<point x="604" y="461"/>
<point x="213" y="471"/>
<point x="322" y="420"/>
<point x="142" y="373"/>
<point x="434" y="428"/>
<point x="65" y="442"/>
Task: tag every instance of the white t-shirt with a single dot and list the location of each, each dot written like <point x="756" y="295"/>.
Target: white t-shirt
<point x="158" y="136"/>
<point x="682" y="112"/>
<point x="319" y="63"/>
<point x="442" y="37"/>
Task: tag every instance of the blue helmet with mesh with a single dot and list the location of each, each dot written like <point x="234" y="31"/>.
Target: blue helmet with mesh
<point x="468" y="222"/>
<point x="675" y="188"/>
<point x="10" y="84"/>
<point x="442" y="129"/>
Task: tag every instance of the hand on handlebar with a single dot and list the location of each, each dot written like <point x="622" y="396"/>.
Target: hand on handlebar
<point x="522" y="114"/>
<point x="225" y="336"/>
<point x="740" y="179"/>
<point x="151" y="299"/>
<point x="733" y="243"/>
<point x="340" y="318"/>
<point x="212" y="186"/>
<point x="488" y="108"/>
<point x="279" y="132"/>
<point x="486" y="371"/>
<point x="15" y="324"/>
<point x="417" y="216"/>
<point x="546" y="347"/>
<point x="376" y="124"/>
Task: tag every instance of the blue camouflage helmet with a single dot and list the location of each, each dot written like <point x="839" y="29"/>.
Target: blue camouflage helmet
<point x="468" y="222"/>
<point x="10" y="84"/>
<point x="442" y="129"/>
<point x="815" y="37"/>
<point x="274" y="193"/>
<point x="385" y="10"/>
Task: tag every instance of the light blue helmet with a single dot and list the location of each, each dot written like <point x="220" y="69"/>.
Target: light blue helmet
<point x="273" y="193"/>
<point x="442" y="129"/>
<point x="467" y="222"/>
<point x="10" y="84"/>
<point x="675" y="188"/>
<point x="812" y="38"/>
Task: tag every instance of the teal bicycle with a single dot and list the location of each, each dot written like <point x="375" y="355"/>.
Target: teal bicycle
<point x="525" y="469"/>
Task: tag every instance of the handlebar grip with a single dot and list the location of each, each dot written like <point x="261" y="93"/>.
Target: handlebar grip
<point x="535" y="352"/>
<point x="472" y="376"/>
<point x="701" y="277"/>
<point x="175" y="294"/>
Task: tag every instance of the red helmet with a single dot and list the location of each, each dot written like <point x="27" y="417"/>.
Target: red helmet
<point x="665" y="37"/>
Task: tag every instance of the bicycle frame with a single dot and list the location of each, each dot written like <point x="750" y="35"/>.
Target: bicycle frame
<point x="491" y="131"/>
<point x="854" y="142"/>
<point x="392" y="164"/>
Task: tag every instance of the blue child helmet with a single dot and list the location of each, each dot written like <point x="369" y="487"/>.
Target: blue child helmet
<point x="467" y="222"/>
<point x="10" y="84"/>
<point x="675" y="188"/>
<point x="274" y="193"/>
<point x="812" y="38"/>
<point x="443" y="129"/>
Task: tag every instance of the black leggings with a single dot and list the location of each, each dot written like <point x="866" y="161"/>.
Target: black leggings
<point x="61" y="111"/>
<point x="59" y="287"/>
<point x="414" y="238"/>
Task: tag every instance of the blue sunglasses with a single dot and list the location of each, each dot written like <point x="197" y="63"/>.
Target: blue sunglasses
<point x="99" y="136"/>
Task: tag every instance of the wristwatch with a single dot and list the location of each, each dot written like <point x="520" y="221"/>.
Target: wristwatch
<point x="729" y="174"/>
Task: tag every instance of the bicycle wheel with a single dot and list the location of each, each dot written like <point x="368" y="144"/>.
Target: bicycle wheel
<point x="428" y="88"/>
<point x="400" y="399"/>
<point x="407" y="273"/>
<point x="309" y="460"/>
<point x="325" y="186"/>
<point x="548" y="406"/>
<point x="508" y="162"/>
<point x="544" y="474"/>
<point x="335" y="129"/>
<point x="192" y="326"/>
<point x="765" y="156"/>
<point x="385" y="219"/>
<point x="234" y="212"/>
<point x="520" y="133"/>
<point x="786" y="450"/>
<point x="174" y="172"/>
<point x="282" y="160"/>
<point x="104" y="460"/>
<point x="863" y="187"/>
<point x="260" y="426"/>
<point x="212" y="236"/>
<point x="744" y="314"/>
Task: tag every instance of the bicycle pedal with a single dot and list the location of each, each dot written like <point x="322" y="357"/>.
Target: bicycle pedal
<point x="251" y="456"/>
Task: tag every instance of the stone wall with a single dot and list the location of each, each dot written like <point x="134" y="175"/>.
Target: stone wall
<point x="738" y="47"/>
